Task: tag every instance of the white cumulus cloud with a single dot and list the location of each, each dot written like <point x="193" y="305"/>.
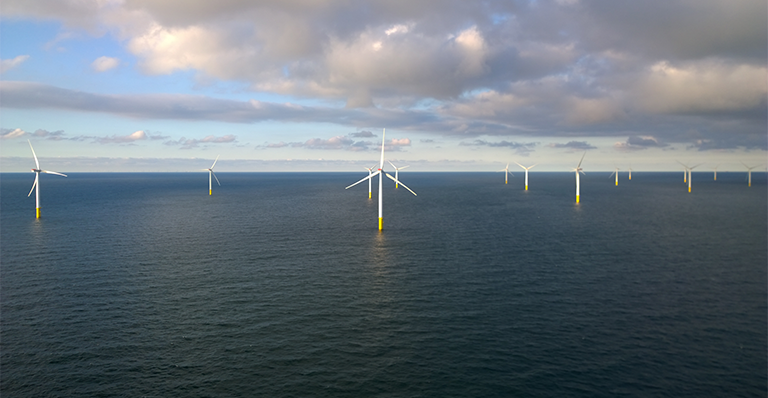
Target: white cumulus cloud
<point x="103" y="64"/>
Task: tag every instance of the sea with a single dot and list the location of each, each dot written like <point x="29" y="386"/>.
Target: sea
<point x="281" y="285"/>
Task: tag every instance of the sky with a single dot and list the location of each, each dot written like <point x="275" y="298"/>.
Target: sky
<point x="311" y="85"/>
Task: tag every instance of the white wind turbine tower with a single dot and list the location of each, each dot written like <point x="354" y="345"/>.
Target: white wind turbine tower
<point x="749" y="173"/>
<point x="616" y="173"/>
<point x="715" y="169"/>
<point x="212" y="174"/>
<point x="506" y="173"/>
<point x="526" y="173"/>
<point x="36" y="184"/>
<point x="578" y="170"/>
<point x="396" y="171"/>
<point x="630" y="172"/>
<point x="381" y="173"/>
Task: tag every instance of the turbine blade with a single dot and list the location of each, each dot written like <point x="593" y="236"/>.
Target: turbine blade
<point x="582" y="159"/>
<point x="214" y="176"/>
<point x="37" y="164"/>
<point x="365" y="178"/>
<point x="381" y="161"/>
<point x="214" y="162"/>
<point x="34" y="184"/>
<point x="395" y="180"/>
<point x="393" y="166"/>
<point x="53" y="172"/>
<point x="611" y="174"/>
<point x="405" y="167"/>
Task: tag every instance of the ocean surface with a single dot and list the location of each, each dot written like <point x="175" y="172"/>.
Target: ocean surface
<point x="281" y="285"/>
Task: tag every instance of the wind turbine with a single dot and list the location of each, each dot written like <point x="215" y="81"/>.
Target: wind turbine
<point x="381" y="173"/>
<point x="526" y="173"/>
<point x="715" y="169"/>
<point x="630" y="172"/>
<point x="578" y="170"/>
<point x="370" y="170"/>
<point x="749" y="172"/>
<point x="615" y="172"/>
<point x="506" y="173"/>
<point x="396" y="170"/>
<point x="689" y="171"/>
<point x="36" y="185"/>
<point x="211" y="173"/>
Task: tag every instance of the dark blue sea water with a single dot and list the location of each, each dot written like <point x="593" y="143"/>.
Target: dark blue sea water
<point x="280" y="285"/>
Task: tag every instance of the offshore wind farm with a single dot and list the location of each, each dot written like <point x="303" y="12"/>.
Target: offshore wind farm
<point x="288" y="282"/>
<point x="287" y="274"/>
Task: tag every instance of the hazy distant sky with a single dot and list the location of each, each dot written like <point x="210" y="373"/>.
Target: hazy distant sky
<point x="167" y="85"/>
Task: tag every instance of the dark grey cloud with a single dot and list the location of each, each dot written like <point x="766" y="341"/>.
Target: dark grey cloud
<point x="636" y="143"/>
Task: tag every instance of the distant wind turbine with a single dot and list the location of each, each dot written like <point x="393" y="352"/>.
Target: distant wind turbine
<point x="370" y="171"/>
<point x="630" y="172"/>
<point x="616" y="173"/>
<point x="526" y="173"/>
<point x="685" y="172"/>
<point x="578" y="170"/>
<point x="749" y="172"/>
<point x="689" y="172"/>
<point x="36" y="185"/>
<point x="715" y="169"/>
<point x="506" y="173"/>
<point x="212" y="174"/>
<point x="381" y="173"/>
<point x="397" y="169"/>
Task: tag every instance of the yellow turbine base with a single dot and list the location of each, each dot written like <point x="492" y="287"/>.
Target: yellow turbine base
<point x="689" y="189"/>
<point x="395" y="185"/>
<point x="210" y="192"/>
<point x="630" y="177"/>
<point x="381" y="223"/>
<point x="617" y="183"/>
<point x="369" y="195"/>
<point x="526" y="187"/>
<point x="750" y="184"/>
<point x="37" y="210"/>
<point x="577" y="198"/>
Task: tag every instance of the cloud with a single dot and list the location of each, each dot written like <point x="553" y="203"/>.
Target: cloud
<point x="636" y="143"/>
<point x="363" y="134"/>
<point x="125" y="139"/>
<point x="500" y="144"/>
<point x="189" y="143"/>
<point x="103" y="64"/>
<point x="7" y="134"/>
<point x="8" y="64"/>
<point x="519" y="147"/>
<point x="563" y="68"/>
<point x="343" y="142"/>
<point x="57" y="135"/>
<point x="574" y="145"/>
